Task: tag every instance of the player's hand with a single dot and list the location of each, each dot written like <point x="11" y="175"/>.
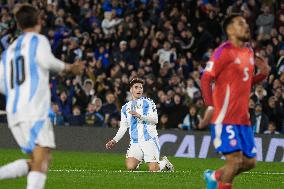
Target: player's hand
<point x="262" y="64"/>
<point x="110" y="144"/>
<point x="135" y="114"/>
<point x="77" y="68"/>
<point x="207" y="118"/>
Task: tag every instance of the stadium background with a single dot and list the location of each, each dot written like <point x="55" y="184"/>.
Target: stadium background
<point x="167" y="43"/>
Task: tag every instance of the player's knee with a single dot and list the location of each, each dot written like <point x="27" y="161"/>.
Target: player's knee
<point x="131" y="167"/>
<point x="250" y="164"/>
<point x="154" y="167"/>
<point x="237" y="163"/>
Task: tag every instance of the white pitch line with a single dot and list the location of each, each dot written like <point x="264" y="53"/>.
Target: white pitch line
<point x="124" y="171"/>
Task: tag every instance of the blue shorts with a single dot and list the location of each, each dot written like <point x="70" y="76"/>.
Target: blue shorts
<point x="231" y="138"/>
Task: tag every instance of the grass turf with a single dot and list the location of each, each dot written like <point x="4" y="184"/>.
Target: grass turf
<point x="86" y="170"/>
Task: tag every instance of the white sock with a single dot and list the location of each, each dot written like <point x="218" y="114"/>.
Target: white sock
<point x="162" y="164"/>
<point x="36" y="180"/>
<point x="15" y="169"/>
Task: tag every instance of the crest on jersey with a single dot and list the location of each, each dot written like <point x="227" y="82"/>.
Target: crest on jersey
<point x="237" y="60"/>
<point x="209" y="66"/>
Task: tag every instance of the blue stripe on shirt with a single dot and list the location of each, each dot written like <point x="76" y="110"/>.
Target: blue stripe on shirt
<point x="124" y="110"/>
<point x="145" y="112"/>
<point x="17" y="55"/>
<point x="133" y="124"/>
<point x="34" y="132"/>
<point x="33" y="66"/>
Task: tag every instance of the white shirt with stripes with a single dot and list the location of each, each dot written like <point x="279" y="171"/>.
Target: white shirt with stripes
<point x="140" y="129"/>
<point x="24" y="77"/>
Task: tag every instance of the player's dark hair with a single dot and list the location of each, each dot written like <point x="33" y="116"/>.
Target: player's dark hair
<point x="228" y="21"/>
<point x="26" y="16"/>
<point x="136" y="80"/>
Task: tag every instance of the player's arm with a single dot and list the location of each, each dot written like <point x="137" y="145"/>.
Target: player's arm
<point x="262" y="64"/>
<point x="214" y="67"/>
<point x="152" y="115"/>
<point x="120" y="133"/>
<point x="47" y="60"/>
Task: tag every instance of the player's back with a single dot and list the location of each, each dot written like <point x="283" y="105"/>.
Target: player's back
<point x="26" y="80"/>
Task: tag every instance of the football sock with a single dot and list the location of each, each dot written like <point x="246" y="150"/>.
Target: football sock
<point x="162" y="164"/>
<point x="217" y="174"/>
<point x="222" y="185"/>
<point x="36" y="180"/>
<point x="15" y="169"/>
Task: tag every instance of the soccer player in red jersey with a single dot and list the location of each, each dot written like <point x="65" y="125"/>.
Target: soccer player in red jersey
<point x="226" y="84"/>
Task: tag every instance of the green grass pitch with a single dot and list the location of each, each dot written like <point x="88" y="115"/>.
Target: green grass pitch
<point x="86" y="170"/>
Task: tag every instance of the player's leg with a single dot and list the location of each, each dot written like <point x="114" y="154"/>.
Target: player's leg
<point x="226" y="141"/>
<point x="151" y="151"/>
<point x="41" y="142"/>
<point x="249" y="149"/>
<point x="19" y="167"/>
<point x="39" y="167"/>
<point x="248" y="164"/>
<point x="132" y="163"/>
<point x="133" y="157"/>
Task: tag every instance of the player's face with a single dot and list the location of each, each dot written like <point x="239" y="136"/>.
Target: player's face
<point x="137" y="90"/>
<point x="240" y="29"/>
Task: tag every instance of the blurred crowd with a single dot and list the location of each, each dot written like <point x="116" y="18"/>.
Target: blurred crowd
<point x="165" y="42"/>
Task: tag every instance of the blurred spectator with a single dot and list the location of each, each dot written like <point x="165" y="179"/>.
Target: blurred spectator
<point x="191" y="89"/>
<point x="109" y="109"/>
<point x="109" y="23"/>
<point x="76" y="119"/>
<point x="176" y="112"/>
<point x="163" y="123"/>
<point x="265" y="21"/>
<point x="55" y="115"/>
<point x="191" y="120"/>
<point x="259" y="120"/>
<point x="271" y="129"/>
<point x="275" y="112"/>
<point x="63" y="101"/>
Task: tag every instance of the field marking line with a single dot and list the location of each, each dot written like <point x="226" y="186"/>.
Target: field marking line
<point x="124" y="171"/>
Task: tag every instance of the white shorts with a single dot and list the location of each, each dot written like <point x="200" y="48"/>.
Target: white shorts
<point x="28" y="134"/>
<point x="149" y="151"/>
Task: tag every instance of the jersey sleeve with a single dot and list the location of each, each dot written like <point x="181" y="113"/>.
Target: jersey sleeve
<point x="214" y="67"/>
<point x="152" y="114"/>
<point x="45" y="58"/>
<point x="217" y="62"/>
<point x="123" y="125"/>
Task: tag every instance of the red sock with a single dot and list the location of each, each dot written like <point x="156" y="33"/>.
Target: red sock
<point x="222" y="185"/>
<point x="218" y="174"/>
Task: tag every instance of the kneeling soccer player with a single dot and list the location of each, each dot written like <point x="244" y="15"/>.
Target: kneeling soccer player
<point x="140" y="116"/>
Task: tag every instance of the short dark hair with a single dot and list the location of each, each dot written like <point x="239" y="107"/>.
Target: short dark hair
<point x="136" y="80"/>
<point x="26" y="16"/>
<point x="228" y="21"/>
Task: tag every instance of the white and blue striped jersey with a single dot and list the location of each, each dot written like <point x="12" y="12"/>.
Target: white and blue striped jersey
<point x="24" y="79"/>
<point x="140" y="129"/>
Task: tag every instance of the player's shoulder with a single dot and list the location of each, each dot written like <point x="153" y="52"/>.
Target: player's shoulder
<point x="124" y="107"/>
<point x="147" y="99"/>
<point x="224" y="46"/>
<point x="40" y="37"/>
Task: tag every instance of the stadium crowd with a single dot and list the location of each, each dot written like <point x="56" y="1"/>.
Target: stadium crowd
<point x="165" y="42"/>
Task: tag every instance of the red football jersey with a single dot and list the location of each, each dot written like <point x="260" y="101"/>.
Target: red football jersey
<point x="231" y="69"/>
